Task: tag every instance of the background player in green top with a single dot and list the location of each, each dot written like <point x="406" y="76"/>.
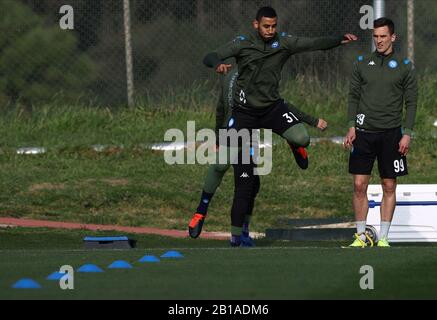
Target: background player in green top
<point x="381" y="83"/>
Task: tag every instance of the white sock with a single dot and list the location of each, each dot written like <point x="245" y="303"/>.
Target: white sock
<point x="361" y="228"/>
<point x="385" y="226"/>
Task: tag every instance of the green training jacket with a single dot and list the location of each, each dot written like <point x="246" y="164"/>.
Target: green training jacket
<point x="225" y="103"/>
<point x="260" y="63"/>
<point x="379" y="86"/>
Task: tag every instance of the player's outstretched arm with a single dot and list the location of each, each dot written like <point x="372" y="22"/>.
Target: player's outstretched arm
<point x="308" y="119"/>
<point x="303" y="44"/>
<point x="216" y="58"/>
<point x="319" y="123"/>
<point x="212" y="60"/>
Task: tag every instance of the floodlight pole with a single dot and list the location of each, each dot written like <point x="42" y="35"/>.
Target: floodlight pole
<point x="128" y="47"/>
<point x="410" y="19"/>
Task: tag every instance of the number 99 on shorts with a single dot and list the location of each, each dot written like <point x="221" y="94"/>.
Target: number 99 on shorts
<point x="399" y="165"/>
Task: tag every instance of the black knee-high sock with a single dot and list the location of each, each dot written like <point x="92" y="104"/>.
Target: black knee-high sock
<point x="248" y="216"/>
<point x="243" y="202"/>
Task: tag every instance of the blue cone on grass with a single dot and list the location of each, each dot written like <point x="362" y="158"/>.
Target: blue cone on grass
<point x="55" y="276"/>
<point x="149" y="259"/>
<point x="89" y="268"/>
<point x="120" y="264"/>
<point x="172" y="254"/>
<point x="26" y="284"/>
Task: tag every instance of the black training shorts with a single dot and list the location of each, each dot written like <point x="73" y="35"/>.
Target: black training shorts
<point x="278" y="117"/>
<point x="384" y="146"/>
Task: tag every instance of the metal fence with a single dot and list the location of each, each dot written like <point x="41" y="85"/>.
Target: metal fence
<point x="168" y="39"/>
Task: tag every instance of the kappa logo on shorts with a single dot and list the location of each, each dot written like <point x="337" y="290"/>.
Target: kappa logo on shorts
<point x="244" y="175"/>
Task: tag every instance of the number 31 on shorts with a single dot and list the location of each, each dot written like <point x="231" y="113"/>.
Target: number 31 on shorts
<point x="289" y="116"/>
<point x="399" y="165"/>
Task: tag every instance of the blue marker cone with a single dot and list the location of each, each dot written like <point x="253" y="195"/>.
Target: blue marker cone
<point x="172" y="254"/>
<point x="55" y="276"/>
<point x="26" y="284"/>
<point x="89" y="268"/>
<point x="149" y="259"/>
<point x="120" y="264"/>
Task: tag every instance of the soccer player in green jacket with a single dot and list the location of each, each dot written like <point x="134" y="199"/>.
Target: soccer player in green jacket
<point x="216" y="172"/>
<point x="260" y="57"/>
<point x="381" y="83"/>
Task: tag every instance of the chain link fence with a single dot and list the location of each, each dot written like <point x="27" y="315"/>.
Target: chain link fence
<point x="39" y="61"/>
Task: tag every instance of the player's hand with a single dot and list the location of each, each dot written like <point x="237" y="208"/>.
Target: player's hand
<point x="223" y="68"/>
<point x="404" y="145"/>
<point x="322" y="124"/>
<point x="348" y="37"/>
<point x="350" y="138"/>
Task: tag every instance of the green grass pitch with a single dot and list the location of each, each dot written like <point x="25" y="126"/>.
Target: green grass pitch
<point x="211" y="270"/>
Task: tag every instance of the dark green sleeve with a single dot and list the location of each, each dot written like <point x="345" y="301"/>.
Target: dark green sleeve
<point x="410" y="95"/>
<point x="212" y="60"/>
<point x="215" y="58"/>
<point x="354" y="96"/>
<point x="312" y="121"/>
<point x="301" y="44"/>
